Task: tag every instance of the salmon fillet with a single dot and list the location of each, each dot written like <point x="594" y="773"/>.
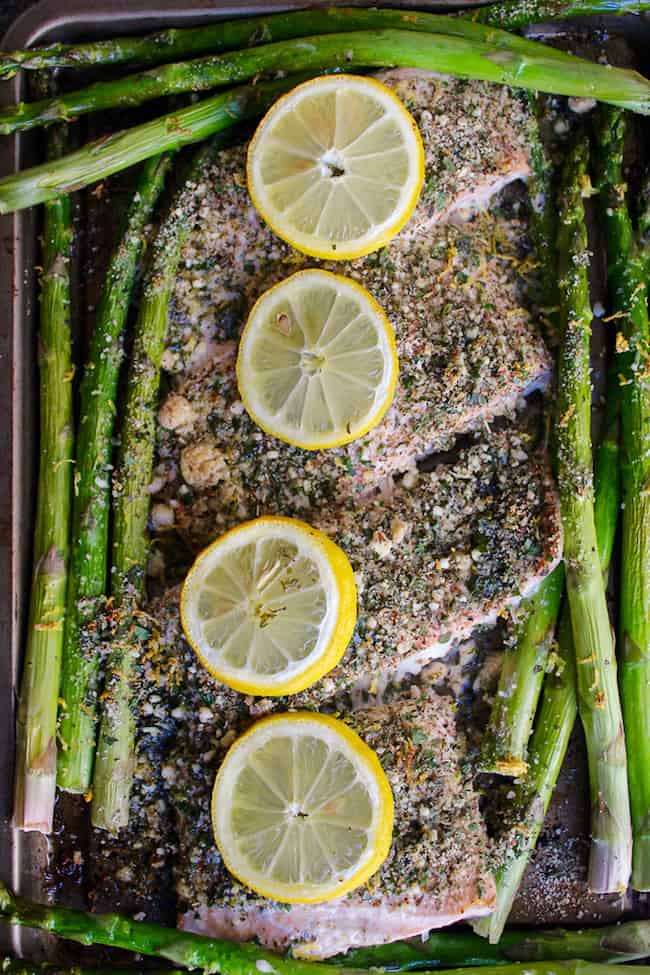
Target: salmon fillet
<point x="437" y="869"/>
<point x="476" y="138"/>
<point x="435" y="554"/>
<point x="467" y="345"/>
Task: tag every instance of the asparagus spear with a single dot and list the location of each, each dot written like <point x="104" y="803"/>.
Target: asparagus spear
<point x="644" y="222"/>
<point x="505" y="741"/>
<point x="460" y="947"/>
<point x="512" y="14"/>
<point x="88" y="563"/>
<point x="106" y="156"/>
<point x="543" y="223"/>
<point x="182" y="948"/>
<point x="190" y="950"/>
<point x="529" y="797"/>
<point x="499" y="57"/>
<point x="629" y="294"/>
<point x="35" y="782"/>
<point x="453" y="55"/>
<point x="172" y="44"/>
<point x="598" y="697"/>
<point x="113" y="777"/>
<point x="18" y="966"/>
<point x="236" y="66"/>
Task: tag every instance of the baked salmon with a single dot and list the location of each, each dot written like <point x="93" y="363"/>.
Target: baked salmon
<point x="437" y="871"/>
<point x="467" y="344"/>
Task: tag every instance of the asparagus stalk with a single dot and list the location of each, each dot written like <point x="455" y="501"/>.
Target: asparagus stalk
<point x="106" y="156"/>
<point x="88" y="563"/>
<point x="607" y="475"/>
<point x="18" y="966"/>
<point x="114" y="765"/>
<point x="543" y="218"/>
<point x="497" y="57"/>
<point x="460" y="947"/>
<point x="598" y="697"/>
<point x="629" y="294"/>
<point x="506" y="738"/>
<point x="35" y="777"/>
<point x="532" y="793"/>
<point x="452" y="55"/>
<point x="644" y="224"/>
<point x="511" y="14"/>
<point x="172" y="44"/>
<point x="236" y="66"/>
<point x="182" y="948"/>
<point x="193" y="951"/>
<point x="505" y="741"/>
<point x="530" y="796"/>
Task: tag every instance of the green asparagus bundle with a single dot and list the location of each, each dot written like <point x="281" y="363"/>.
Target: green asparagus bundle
<point x="529" y="797"/>
<point x="497" y="57"/>
<point x="114" y="767"/>
<point x="193" y="951"/>
<point x="629" y="294"/>
<point x="172" y="44"/>
<point x="88" y="562"/>
<point x="237" y="66"/>
<point x="598" y="696"/>
<point x="106" y="156"/>
<point x="458" y="56"/>
<point x="35" y="781"/>
<point x="460" y="947"/>
<point x="505" y="742"/>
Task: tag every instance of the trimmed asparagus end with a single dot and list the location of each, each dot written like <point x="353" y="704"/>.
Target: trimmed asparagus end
<point x="609" y="864"/>
<point x="35" y="795"/>
<point x="511" y="766"/>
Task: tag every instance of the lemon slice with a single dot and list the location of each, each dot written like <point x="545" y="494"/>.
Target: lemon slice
<point x="270" y="606"/>
<point x="317" y="362"/>
<point x="336" y="166"/>
<point x="302" y="810"/>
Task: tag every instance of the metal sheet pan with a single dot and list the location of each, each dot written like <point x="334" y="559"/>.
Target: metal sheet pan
<point x="23" y="857"/>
